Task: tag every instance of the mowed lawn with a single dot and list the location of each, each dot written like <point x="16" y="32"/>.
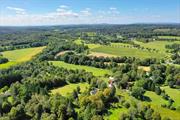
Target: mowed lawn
<point x="65" y="90"/>
<point x="124" y="51"/>
<point x="95" y="71"/>
<point x="174" y="94"/>
<point x="20" y="55"/>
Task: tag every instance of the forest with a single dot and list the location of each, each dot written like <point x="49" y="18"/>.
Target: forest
<point x="141" y="82"/>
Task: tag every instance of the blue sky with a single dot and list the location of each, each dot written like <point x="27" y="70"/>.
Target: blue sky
<point x="57" y="12"/>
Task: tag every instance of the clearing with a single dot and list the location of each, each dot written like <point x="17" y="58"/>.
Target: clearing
<point x="95" y="71"/>
<point x="174" y="94"/>
<point x="65" y="90"/>
<point x="20" y="55"/>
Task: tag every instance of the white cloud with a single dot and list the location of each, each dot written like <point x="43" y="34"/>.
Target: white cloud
<point x="64" y="6"/>
<point x="113" y="8"/>
<point x="18" y="11"/>
<point x="62" y="11"/>
<point x="86" y="12"/>
<point x="65" y="15"/>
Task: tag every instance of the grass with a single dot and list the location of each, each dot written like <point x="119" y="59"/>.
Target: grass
<point x="18" y="56"/>
<point x="95" y="71"/>
<point x="69" y="88"/>
<point x="158" y="45"/>
<point x="115" y="113"/>
<point x="155" y="99"/>
<point x="98" y="54"/>
<point x="169" y="37"/>
<point x="174" y="94"/>
<point x="155" y="103"/>
<point x="90" y="46"/>
<point x="130" y="52"/>
<point x="121" y="44"/>
<point x="78" y="41"/>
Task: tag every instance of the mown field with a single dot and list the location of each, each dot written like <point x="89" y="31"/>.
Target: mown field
<point x="65" y="90"/>
<point x="158" y="45"/>
<point x="169" y="37"/>
<point x="18" y="56"/>
<point x="174" y="94"/>
<point x="124" y="51"/>
<point x="95" y="71"/>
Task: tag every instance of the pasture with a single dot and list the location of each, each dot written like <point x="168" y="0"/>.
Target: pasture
<point x="158" y="45"/>
<point x="20" y="55"/>
<point x="155" y="103"/>
<point x="126" y="51"/>
<point x="65" y="90"/>
<point x="155" y="99"/>
<point x="93" y="70"/>
<point x="169" y="37"/>
<point x="174" y="94"/>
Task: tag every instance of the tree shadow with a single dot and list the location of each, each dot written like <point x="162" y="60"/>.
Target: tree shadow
<point x="146" y="98"/>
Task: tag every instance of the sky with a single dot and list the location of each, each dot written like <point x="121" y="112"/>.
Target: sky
<point x="62" y="12"/>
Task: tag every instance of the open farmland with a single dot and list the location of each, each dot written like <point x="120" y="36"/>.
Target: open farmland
<point x="95" y="71"/>
<point x="21" y="55"/>
<point x="130" y="52"/>
<point x="169" y="37"/>
<point x="158" y="45"/>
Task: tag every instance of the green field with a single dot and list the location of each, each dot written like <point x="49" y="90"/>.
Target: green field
<point x="158" y="45"/>
<point x="69" y="88"/>
<point x="115" y="113"/>
<point x="169" y="37"/>
<point x="124" y="51"/>
<point x="174" y="94"/>
<point x="155" y="99"/>
<point x="90" y="46"/>
<point x="95" y="71"/>
<point x="155" y="103"/>
<point x="20" y="55"/>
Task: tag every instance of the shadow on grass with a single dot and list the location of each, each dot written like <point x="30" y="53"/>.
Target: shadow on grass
<point x="146" y="98"/>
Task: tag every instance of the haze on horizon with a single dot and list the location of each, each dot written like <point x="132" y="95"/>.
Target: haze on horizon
<point x="61" y="12"/>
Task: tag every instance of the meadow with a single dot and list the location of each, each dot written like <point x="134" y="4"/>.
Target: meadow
<point x="155" y="102"/>
<point x="20" y="55"/>
<point x="174" y="94"/>
<point x="155" y="99"/>
<point x="65" y="90"/>
<point x="95" y="71"/>
<point x="125" y="51"/>
<point x="169" y="37"/>
<point x="158" y="45"/>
